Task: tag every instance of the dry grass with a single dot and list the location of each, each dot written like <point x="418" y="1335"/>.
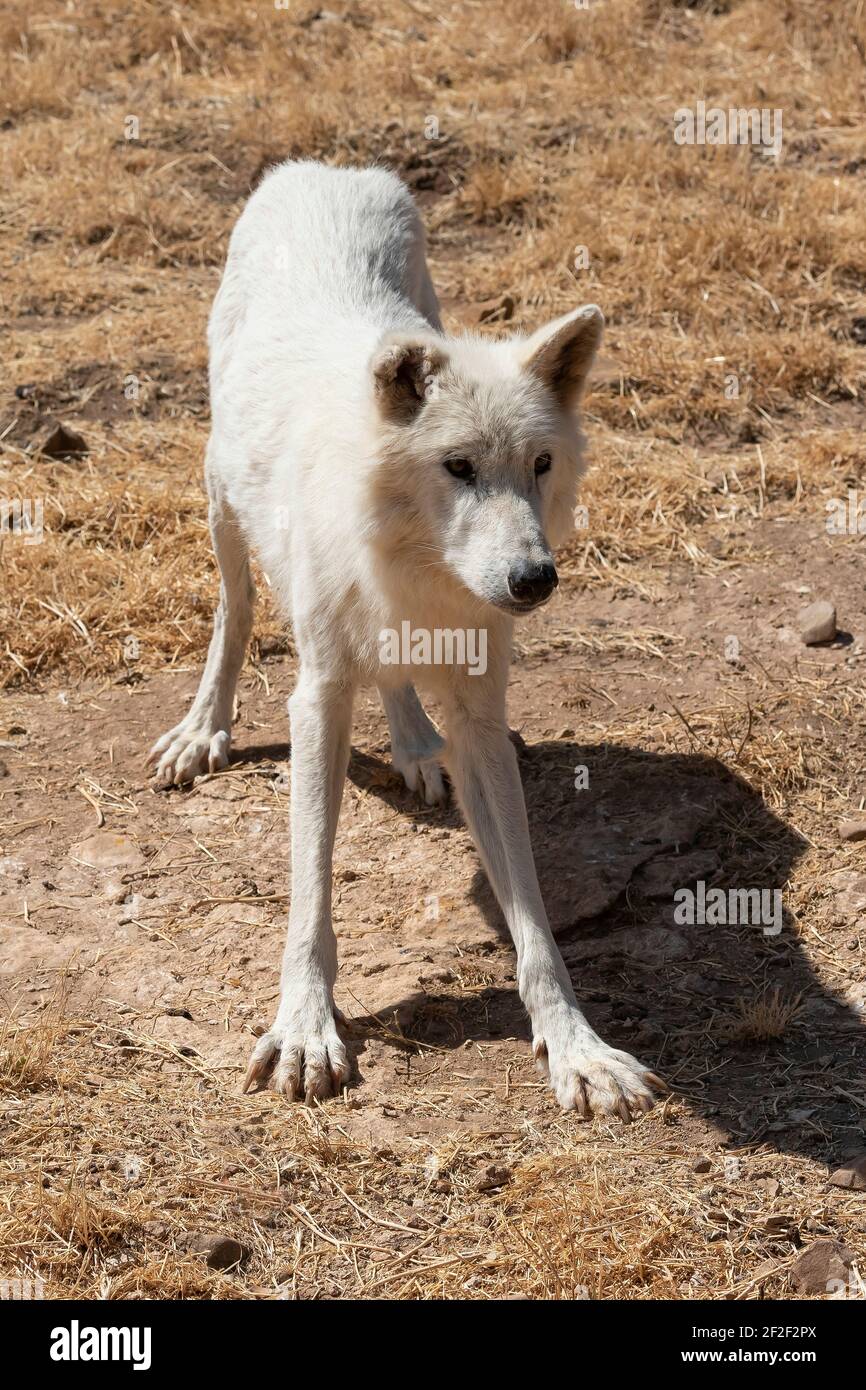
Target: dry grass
<point x="707" y="261"/>
<point x="555" y="132"/>
<point x="591" y="1215"/>
<point x="763" y="1018"/>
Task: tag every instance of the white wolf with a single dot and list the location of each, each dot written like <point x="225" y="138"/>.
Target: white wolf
<point x="386" y="473"/>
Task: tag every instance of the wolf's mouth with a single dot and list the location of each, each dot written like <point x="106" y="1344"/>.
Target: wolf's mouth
<point x="519" y="610"/>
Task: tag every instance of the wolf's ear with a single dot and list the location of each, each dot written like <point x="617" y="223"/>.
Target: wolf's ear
<point x="405" y="372"/>
<point x="561" y="353"/>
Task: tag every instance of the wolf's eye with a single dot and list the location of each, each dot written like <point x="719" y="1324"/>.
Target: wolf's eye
<point x="542" y="464"/>
<point x="461" y="468"/>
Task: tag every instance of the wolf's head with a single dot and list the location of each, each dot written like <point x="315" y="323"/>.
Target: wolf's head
<point x="480" y="452"/>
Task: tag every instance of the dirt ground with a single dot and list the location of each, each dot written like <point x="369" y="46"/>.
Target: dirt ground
<point x="672" y="726"/>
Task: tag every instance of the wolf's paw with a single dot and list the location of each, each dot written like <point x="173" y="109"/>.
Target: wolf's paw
<point x="187" y="751"/>
<point x="588" y="1076"/>
<point x="422" y="775"/>
<point x="304" y="1065"/>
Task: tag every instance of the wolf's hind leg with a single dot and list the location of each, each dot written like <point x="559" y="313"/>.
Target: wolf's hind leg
<point x="415" y="744"/>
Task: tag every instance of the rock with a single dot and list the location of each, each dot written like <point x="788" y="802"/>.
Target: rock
<point x="850" y="831"/>
<point x="4" y="771"/>
<point x="492" y="1176"/>
<point x="605" y="852"/>
<point x="649" y="945"/>
<point x="852" y="1174"/>
<point x="823" y="1262"/>
<point x="849" y="890"/>
<point x="222" y="1252"/>
<point x="855" y="998"/>
<point x="818" y="623"/>
<point x="701" y="1165"/>
<point x="60" y="442"/>
<point x="661" y="877"/>
<point x="107" y="850"/>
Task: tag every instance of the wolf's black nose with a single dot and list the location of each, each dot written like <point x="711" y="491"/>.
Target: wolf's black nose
<point x="532" y="583"/>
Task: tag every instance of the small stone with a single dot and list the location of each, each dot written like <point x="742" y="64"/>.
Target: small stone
<point x="4" y="771"/>
<point x="823" y="1262"/>
<point x="818" y="623"/>
<point x="852" y="1174"/>
<point x="222" y="1252"/>
<point x="60" y="442"/>
<point x="494" y="1175"/>
<point x="107" y="850"/>
<point x="850" y="831"/>
<point x="701" y="1165"/>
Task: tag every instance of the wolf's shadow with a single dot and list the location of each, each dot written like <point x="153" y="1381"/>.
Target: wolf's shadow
<point x="730" y="1012"/>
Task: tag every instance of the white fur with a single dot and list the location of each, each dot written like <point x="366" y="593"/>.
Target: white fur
<point x="337" y="398"/>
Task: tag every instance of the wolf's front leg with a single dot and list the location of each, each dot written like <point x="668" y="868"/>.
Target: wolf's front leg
<point x="303" y="1049"/>
<point x="584" y="1072"/>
